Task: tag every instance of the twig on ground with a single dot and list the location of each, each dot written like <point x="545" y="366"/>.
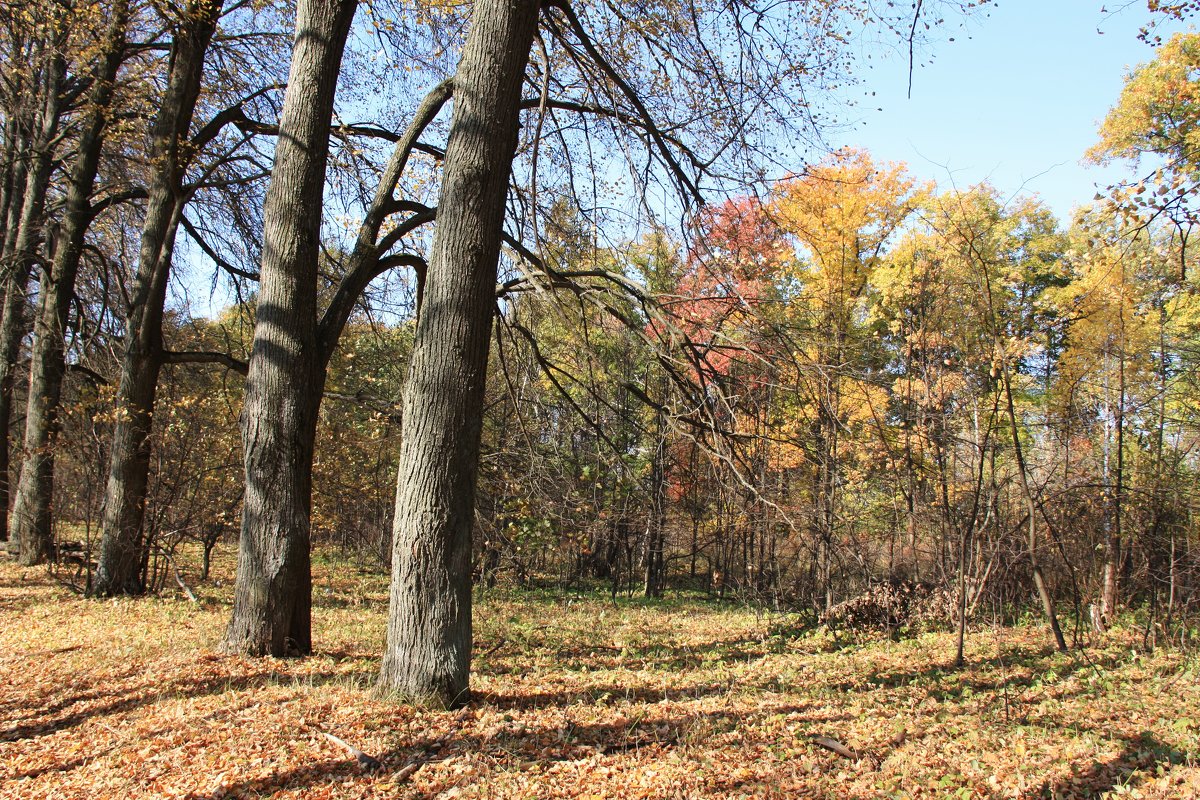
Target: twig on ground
<point x="186" y="589"/>
<point x="367" y="762"/>
<point x="834" y="746"/>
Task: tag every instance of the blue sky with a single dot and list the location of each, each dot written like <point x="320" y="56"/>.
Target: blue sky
<point x="1015" y="99"/>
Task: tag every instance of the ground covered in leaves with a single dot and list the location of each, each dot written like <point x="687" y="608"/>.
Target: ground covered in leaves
<point x="575" y="697"/>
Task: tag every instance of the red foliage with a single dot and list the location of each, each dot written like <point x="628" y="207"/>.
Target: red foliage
<point x="728" y="275"/>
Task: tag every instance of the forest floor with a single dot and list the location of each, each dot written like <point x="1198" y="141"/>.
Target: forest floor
<point x="573" y="698"/>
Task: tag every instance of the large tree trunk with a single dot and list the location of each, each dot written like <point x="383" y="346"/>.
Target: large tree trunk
<point x="24" y="219"/>
<point x="31" y="518"/>
<point x="123" y="542"/>
<point x="428" y="652"/>
<point x="273" y="596"/>
<point x="17" y="138"/>
<point x="12" y="319"/>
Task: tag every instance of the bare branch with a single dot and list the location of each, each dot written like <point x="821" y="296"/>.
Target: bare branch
<point x="206" y="357"/>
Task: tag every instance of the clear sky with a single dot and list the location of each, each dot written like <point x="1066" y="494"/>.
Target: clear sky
<point x="1015" y="99"/>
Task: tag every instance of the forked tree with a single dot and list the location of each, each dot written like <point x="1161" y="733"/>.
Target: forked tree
<point x="295" y="336"/>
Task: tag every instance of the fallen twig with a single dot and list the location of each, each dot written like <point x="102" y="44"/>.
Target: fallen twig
<point x="186" y="589"/>
<point x="493" y="648"/>
<point x="834" y="746"/>
<point x="175" y="572"/>
<point x="367" y="762"/>
<point x="428" y="754"/>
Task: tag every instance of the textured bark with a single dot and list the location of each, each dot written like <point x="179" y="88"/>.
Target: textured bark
<point x="428" y="651"/>
<point x="24" y="218"/>
<point x="31" y="517"/>
<point x="12" y="327"/>
<point x="14" y="161"/>
<point x="273" y="595"/>
<point x="123" y="545"/>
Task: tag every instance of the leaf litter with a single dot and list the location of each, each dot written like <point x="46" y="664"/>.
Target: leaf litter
<point x="573" y="697"/>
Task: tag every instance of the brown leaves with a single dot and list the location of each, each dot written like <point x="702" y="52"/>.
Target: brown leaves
<point x="127" y="700"/>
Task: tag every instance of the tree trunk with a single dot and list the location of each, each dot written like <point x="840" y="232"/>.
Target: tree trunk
<point x="23" y="226"/>
<point x="1039" y="580"/>
<point x="655" y="561"/>
<point x="1113" y="538"/>
<point x="428" y="652"/>
<point x="12" y="327"/>
<point x="273" y="595"/>
<point x="31" y="517"/>
<point x="123" y="542"/>
<point x="20" y="106"/>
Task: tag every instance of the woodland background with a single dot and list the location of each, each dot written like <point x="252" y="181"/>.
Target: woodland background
<point x="852" y="377"/>
<point x="571" y="313"/>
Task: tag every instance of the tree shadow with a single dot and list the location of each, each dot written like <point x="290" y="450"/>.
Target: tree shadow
<point x="60" y="714"/>
<point x="545" y="743"/>
<point x="53" y="707"/>
<point x="663" y="657"/>
<point x="17" y="604"/>
<point x="67" y="766"/>
<point x="1011" y="667"/>
<point x="1127" y="769"/>
<point x="611" y="695"/>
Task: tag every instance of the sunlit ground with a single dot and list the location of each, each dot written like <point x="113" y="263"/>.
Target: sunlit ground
<point x="573" y="698"/>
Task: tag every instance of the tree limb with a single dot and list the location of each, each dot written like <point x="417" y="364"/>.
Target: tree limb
<point x="365" y="263"/>
<point x="212" y="254"/>
<point x="650" y="127"/>
<point x="206" y="357"/>
<point x="234" y="114"/>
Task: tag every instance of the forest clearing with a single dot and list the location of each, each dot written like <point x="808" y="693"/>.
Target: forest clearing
<point x="580" y="398"/>
<point x="575" y="697"/>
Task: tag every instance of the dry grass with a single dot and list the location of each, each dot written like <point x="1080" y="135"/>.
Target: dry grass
<point x="575" y="698"/>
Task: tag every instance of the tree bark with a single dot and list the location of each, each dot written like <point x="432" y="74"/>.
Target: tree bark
<point x="273" y="595"/>
<point x="123" y="543"/>
<point x="31" y="517"/>
<point x="428" y="651"/>
<point x="1039" y="580"/>
<point x="1113" y="536"/>
<point x="24" y="223"/>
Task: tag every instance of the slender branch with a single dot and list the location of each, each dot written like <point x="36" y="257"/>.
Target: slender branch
<point x="364" y="400"/>
<point x="624" y="117"/>
<point x="95" y="378"/>
<point x="365" y="263"/>
<point x="235" y="114"/>
<point x="651" y="128"/>
<point x="549" y="370"/>
<point x="366" y="267"/>
<point x="213" y="254"/>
